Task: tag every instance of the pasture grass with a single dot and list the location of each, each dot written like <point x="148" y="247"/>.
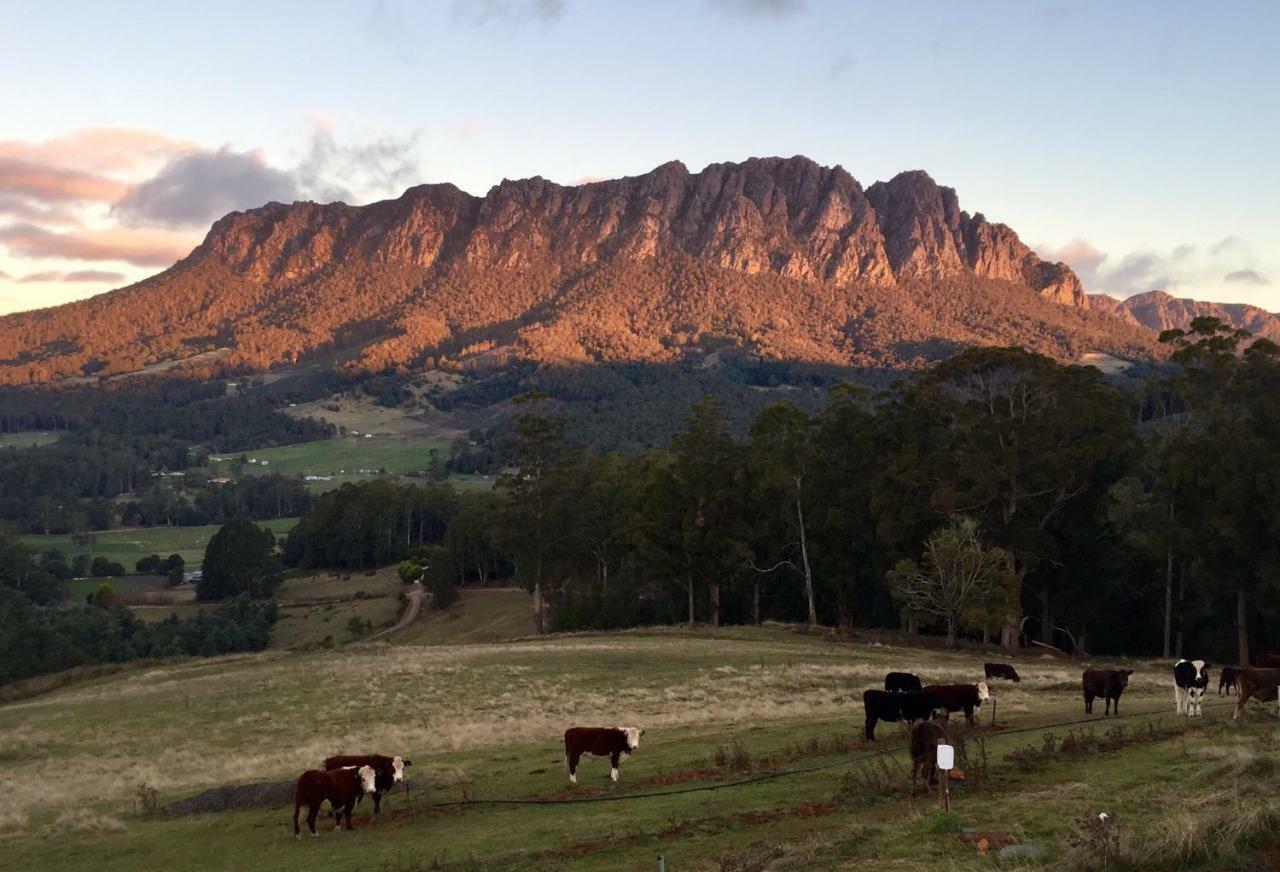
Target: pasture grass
<point x="127" y="545"/>
<point x="30" y="439"/>
<point x="480" y="615"/>
<point x="484" y="721"/>
<point x="343" y="455"/>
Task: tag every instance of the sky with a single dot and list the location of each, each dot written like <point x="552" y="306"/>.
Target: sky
<point x="1136" y="141"/>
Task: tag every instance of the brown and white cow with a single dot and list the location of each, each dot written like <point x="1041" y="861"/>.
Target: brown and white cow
<point x="390" y="771"/>
<point x="615" y="743"/>
<point x="1258" y="684"/>
<point x="960" y="697"/>
<point x="341" y="788"/>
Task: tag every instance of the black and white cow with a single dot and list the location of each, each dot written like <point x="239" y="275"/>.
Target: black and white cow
<point x="1190" y="678"/>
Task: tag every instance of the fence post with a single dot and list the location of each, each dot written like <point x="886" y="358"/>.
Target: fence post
<point x="662" y="863"/>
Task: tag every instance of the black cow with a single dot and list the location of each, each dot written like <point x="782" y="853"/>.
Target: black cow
<point x="899" y="681"/>
<point x="1000" y="670"/>
<point x="909" y="706"/>
<point x="1190" y="679"/>
<point x="1228" y="680"/>
<point x="1107" y="683"/>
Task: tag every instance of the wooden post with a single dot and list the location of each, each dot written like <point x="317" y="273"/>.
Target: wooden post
<point x="993" y="712"/>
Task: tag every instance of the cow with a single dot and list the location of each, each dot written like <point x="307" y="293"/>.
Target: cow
<point x="1227" y="680"/>
<point x="1107" y="683"/>
<point x="1190" y="678"/>
<point x="958" y="697"/>
<point x="1256" y="684"/>
<point x="899" y="681"/>
<point x="341" y="788"/>
<point x="615" y="743"/>
<point x="924" y="741"/>
<point x="1000" y="670"/>
<point x="909" y="706"/>
<point x="1267" y="661"/>
<point x="390" y="771"/>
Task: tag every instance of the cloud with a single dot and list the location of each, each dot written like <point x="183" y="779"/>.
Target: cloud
<point x="759" y="8"/>
<point x="1230" y="260"/>
<point x="388" y="24"/>
<point x="1247" y="277"/>
<point x="197" y="188"/>
<point x="479" y="13"/>
<point x="45" y="182"/>
<point x="98" y="149"/>
<point x="80" y="275"/>
<point x="146" y="248"/>
<point x="25" y="210"/>
<point x="843" y="64"/>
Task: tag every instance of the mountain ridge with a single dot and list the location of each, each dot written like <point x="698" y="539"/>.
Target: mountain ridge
<point x="1159" y="310"/>
<point x="776" y="257"/>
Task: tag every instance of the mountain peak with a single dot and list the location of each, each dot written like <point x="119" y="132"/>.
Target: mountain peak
<point x="404" y="280"/>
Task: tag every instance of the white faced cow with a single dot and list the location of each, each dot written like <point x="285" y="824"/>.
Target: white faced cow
<point x="1190" y="678"/>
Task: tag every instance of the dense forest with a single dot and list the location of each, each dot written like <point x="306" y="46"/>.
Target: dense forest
<point x="1107" y="520"/>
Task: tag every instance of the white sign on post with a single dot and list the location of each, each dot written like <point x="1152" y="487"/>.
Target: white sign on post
<point x="946" y="757"/>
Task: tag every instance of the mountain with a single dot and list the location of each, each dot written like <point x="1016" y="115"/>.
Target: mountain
<point x="774" y="258"/>
<point x="1157" y="310"/>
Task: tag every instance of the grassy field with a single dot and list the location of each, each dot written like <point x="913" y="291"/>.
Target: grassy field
<point x="341" y="456"/>
<point x="483" y="721"/>
<point x="29" y="440"/>
<point x="480" y="615"/>
<point x="129" y="544"/>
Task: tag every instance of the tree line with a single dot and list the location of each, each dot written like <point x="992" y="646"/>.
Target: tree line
<point x="998" y="495"/>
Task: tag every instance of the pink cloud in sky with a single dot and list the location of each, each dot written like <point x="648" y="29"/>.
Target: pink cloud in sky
<point x="98" y="149"/>
<point x="146" y="248"/>
<point x="44" y="182"/>
<point x="79" y="275"/>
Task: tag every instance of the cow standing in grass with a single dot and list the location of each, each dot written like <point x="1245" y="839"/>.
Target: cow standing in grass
<point x="925" y="739"/>
<point x="881" y="705"/>
<point x="1106" y="683"/>
<point x="1227" y="680"/>
<point x="390" y="772"/>
<point x="1258" y="684"/>
<point x="960" y="697"/>
<point x="616" y="743"/>
<point x="341" y="788"/>
<point x="1190" y="678"/>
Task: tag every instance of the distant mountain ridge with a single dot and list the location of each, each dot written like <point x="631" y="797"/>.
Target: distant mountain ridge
<point x="1158" y="310"/>
<point x="778" y="258"/>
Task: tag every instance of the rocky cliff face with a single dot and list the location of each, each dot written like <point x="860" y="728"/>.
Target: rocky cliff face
<point x="1157" y="310"/>
<point x="791" y="217"/>
<point x="784" y="257"/>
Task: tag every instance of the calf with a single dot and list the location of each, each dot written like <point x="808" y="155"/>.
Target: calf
<point x="1190" y="678"/>
<point x="909" y="706"/>
<point x="612" y="742"/>
<point x="900" y="681"/>
<point x="957" y="697"/>
<point x="341" y="788"/>
<point x="1256" y="684"/>
<point x="390" y="772"/>
<point x="1107" y="683"/>
<point x="1227" y="680"/>
<point x="925" y="739"/>
<point x="1000" y="670"/>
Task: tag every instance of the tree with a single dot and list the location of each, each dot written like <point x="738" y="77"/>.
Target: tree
<point x="240" y="558"/>
<point x="533" y="528"/>
<point x="781" y="452"/>
<point x="960" y="576"/>
<point x="104" y="597"/>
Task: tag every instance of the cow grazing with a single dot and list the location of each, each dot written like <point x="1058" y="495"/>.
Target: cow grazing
<point x="1255" y="684"/>
<point x="909" y="706"/>
<point x="612" y="742"/>
<point x="925" y="739"/>
<point x="1000" y="670"/>
<point x="341" y="788"/>
<point x="1227" y="680"/>
<point x="960" y="697"/>
<point x="1267" y="661"/>
<point x="390" y="772"/>
<point x="1107" y="683"/>
<point x="895" y="682"/>
<point x="1190" y="678"/>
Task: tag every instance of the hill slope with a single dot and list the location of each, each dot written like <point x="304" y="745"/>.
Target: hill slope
<point x="774" y="257"/>
<point x="1158" y="310"/>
